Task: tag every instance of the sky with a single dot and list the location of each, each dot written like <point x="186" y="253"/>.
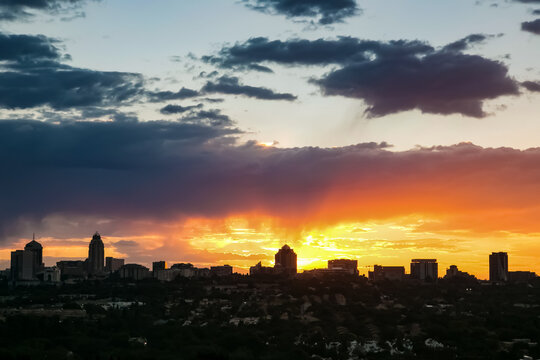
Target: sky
<point x="216" y="131"/>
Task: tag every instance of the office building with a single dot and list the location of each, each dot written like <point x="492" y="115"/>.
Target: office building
<point x="22" y="265"/>
<point x="72" y="268"/>
<point x="498" y="267"/>
<point x="424" y="269"/>
<point x="134" y="272"/>
<point x="96" y="255"/>
<point x="345" y="265"/>
<point x="521" y="276"/>
<point x="394" y="273"/>
<point x="259" y="269"/>
<point x="51" y="275"/>
<point x="113" y="264"/>
<point x="159" y="265"/>
<point x="225" y="270"/>
<point x="36" y="250"/>
<point x="286" y="260"/>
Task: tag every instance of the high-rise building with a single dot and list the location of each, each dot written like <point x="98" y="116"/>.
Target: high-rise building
<point x="286" y="260"/>
<point x="159" y="265"/>
<point x="37" y="255"/>
<point x="22" y="268"/>
<point x="424" y="269"/>
<point x="498" y="267"/>
<point x="113" y="264"/>
<point x="346" y="265"/>
<point x="27" y="263"/>
<point x="96" y="255"/>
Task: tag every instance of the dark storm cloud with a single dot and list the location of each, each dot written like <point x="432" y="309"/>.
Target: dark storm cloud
<point x="531" y="85"/>
<point x="531" y="26"/>
<point x="11" y="10"/>
<point x="122" y="158"/>
<point x="178" y="109"/>
<point x="33" y="75"/>
<point x="232" y="86"/>
<point x="161" y="171"/>
<point x="324" y="11"/>
<point x="389" y="77"/>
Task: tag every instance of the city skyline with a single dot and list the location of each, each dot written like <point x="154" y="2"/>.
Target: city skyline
<point x="215" y="131"/>
<point x="98" y="262"/>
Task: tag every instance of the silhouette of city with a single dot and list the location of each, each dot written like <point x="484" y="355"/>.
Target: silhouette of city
<point x="104" y="308"/>
<point x="27" y="268"/>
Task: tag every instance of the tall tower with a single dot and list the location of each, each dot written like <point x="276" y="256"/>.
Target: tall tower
<point x="96" y="255"/>
<point x="498" y="267"/>
<point x="36" y="250"/>
<point x="286" y="260"/>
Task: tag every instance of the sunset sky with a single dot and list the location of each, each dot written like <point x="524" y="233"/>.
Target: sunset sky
<point x="215" y="131"/>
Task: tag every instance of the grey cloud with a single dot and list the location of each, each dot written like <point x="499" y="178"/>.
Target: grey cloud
<point x="323" y="11"/>
<point x="11" y="10"/>
<point x="531" y="26"/>
<point x="389" y="77"/>
<point x="178" y="109"/>
<point x="232" y="86"/>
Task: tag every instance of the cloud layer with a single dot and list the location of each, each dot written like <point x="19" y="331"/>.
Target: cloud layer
<point x="11" y="10"/>
<point x="323" y="11"/>
<point x="390" y="77"/>
<point x="34" y="74"/>
<point x="531" y="26"/>
<point x="163" y="171"/>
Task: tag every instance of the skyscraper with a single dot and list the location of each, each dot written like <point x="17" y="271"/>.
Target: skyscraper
<point x="286" y="260"/>
<point x="25" y="264"/>
<point x="36" y="250"/>
<point x="96" y="255"/>
<point x="498" y="266"/>
<point x="424" y="269"/>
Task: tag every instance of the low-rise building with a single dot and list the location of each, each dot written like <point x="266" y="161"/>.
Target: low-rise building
<point x="379" y="273"/>
<point x="134" y="272"/>
<point x="225" y="270"/>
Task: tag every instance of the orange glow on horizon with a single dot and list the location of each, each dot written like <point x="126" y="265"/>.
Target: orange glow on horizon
<point x="242" y="241"/>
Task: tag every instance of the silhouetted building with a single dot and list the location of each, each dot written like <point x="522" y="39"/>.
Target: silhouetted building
<point x="261" y="270"/>
<point x="346" y="265"/>
<point x="113" y="264"/>
<point x="453" y="272"/>
<point x="521" y="276"/>
<point x="424" y="269"/>
<point x="168" y="274"/>
<point x="380" y="273"/>
<point x="51" y="275"/>
<point x="187" y="270"/>
<point x="27" y="263"/>
<point x="134" y="272"/>
<point x="22" y="265"/>
<point x="72" y="269"/>
<point x="37" y="255"/>
<point x="285" y="260"/>
<point x="159" y="265"/>
<point x="498" y="267"/>
<point x="225" y="270"/>
<point x="96" y="255"/>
